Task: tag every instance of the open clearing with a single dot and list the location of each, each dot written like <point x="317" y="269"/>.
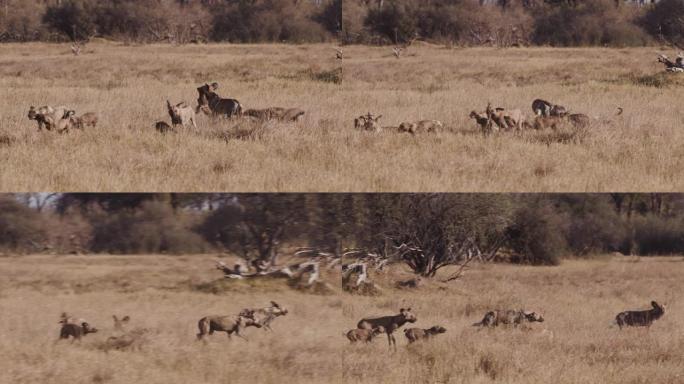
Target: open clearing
<point x="575" y="343"/>
<point x="128" y="86"/>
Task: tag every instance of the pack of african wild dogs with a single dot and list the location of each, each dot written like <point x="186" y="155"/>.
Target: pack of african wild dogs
<point x="366" y="329"/>
<point x="496" y="119"/>
<point x="63" y="119"/>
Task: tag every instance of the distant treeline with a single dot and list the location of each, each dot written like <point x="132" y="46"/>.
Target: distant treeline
<point x="527" y="228"/>
<point x="515" y="22"/>
<point x="177" y="21"/>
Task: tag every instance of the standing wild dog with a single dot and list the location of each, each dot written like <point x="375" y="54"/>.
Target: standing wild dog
<point x="508" y="317"/>
<point x="640" y="318"/>
<point x="389" y="323"/>
<point x="264" y="316"/>
<point x="415" y="334"/>
<point x="229" y="324"/>
<point x="210" y="102"/>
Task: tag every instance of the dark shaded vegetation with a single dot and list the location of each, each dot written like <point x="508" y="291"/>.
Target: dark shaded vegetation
<point x="514" y="22"/>
<point x="425" y="231"/>
<point x="176" y="21"/>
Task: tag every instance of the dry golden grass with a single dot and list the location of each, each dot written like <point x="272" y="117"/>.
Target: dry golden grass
<point x="575" y="344"/>
<point x="128" y="86"/>
<point x="641" y="151"/>
<point x="156" y="292"/>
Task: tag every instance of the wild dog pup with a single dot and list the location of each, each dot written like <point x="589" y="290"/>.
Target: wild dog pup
<point x="365" y="335"/>
<point x="508" y="317"/>
<point x="415" y="334"/>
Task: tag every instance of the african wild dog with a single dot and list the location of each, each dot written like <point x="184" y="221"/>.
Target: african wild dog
<point x="264" y="316"/>
<point x="229" y="324"/>
<point x="546" y="109"/>
<point x="390" y="323"/>
<point x="365" y="335"/>
<point x="508" y="317"/>
<point x="415" y="334"/>
<point x="640" y="318"/>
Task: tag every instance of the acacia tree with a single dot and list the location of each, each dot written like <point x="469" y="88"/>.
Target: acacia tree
<point x="254" y="225"/>
<point x="430" y="232"/>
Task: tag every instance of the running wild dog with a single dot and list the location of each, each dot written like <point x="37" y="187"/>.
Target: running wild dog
<point x="508" y="317"/>
<point x="640" y="318"/>
<point x="264" y="316"/>
<point x="415" y="334"/>
<point x="365" y="335"/>
<point x="389" y="323"/>
<point x="229" y="324"/>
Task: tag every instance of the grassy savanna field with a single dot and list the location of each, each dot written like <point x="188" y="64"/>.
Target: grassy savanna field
<point x="168" y="294"/>
<point x="128" y="86"/>
<point x="639" y="151"/>
<point x="159" y="293"/>
<point x="575" y="344"/>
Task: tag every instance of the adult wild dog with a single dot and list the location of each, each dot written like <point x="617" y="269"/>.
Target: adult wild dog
<point x="389" y="323"/>
<point x="640" y="318"/>
<point x="229" y="324"/>
<point x="210" y="102"/>
<point x="47" y="116"/>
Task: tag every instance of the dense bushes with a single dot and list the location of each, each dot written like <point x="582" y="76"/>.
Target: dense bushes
<point x="153" y="228"/>
<point x="665" y="20"/>
<point x="531" y="229"/>
<point x="20" y="226"/>
<point x="561" y="23"/>
<point x="536" y="235"/>
<point x="171" y="20"/>
<point x="596" y="22"/>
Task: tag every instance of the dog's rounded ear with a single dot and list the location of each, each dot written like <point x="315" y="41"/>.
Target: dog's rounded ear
<point x="402" y="310"/>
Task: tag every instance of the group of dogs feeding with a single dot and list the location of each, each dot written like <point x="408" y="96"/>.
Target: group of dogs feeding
<point x="62" y="119"/>
<point x="546" y="115"/>
<point x="366" y="328"/>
